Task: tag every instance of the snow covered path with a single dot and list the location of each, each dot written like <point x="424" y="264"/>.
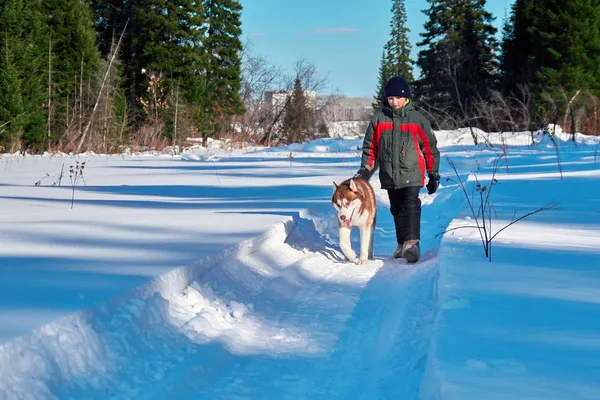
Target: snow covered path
<point x="281" y="317"/>
<point x="366" y="328"/>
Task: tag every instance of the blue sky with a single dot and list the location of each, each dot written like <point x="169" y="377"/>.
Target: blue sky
<point x="343" y="38"/>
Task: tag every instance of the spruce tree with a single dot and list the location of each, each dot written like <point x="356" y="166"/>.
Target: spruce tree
<point x="298" y="122"/>
<point x="114" y="17"/>
<point x="398" y="47"/>
<point x="395" y="59"/>
<point x="569" y="32"/>
<point x="457" y="57"/>
<point x="383" y="76"/>
<point x="519" y="46"/>
<point x="22" y="72"/>
<point x="223" y="74"/>
<point x="165" y="37"/>
<point x="174" y="35"/>
<point x="36" y="83"/>
<point x="194" y="44"/>
<point x="552" y="48"/>
<point x="11" y="97"/>
<point x="75" y="60"/>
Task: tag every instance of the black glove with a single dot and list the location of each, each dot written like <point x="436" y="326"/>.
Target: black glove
<point x="433" y="184"/>
<point x="362" y="173"/>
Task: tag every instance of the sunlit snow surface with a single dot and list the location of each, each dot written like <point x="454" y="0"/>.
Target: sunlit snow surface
<point x="217" y="274"/>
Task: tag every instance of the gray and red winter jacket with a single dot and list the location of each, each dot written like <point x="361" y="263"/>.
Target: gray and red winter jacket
<point x="403" y="145"/>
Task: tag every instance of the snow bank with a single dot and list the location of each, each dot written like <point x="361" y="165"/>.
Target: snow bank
<point x="342" y="129"/>
<point x="507" y="330"/>
<point x="455" y="140"/>
<point x="139" y="329"/>
<point x="521" y="327"/>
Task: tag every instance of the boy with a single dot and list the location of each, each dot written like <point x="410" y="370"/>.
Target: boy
<point x="399" y="141"/>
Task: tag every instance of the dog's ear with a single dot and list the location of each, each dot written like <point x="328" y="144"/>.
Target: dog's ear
<point x="353" y="186"/>
<point x="335" y="186"/>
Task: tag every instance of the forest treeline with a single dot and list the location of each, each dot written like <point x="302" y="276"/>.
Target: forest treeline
<point x="98" y="75"/>
<point x="102" y="75"/>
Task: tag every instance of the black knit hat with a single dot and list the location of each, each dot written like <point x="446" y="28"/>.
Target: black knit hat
<point x="398" y="87"/>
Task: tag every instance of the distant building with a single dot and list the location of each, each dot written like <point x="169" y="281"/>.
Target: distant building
<point x="278" y="98"/>
<point x="348" y="109"/>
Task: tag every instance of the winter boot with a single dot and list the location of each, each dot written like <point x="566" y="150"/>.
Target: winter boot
<point x="398" y="252"/>
<point x="411" y="251"/>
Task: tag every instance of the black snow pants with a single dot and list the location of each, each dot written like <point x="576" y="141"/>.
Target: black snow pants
<point x="405" y="206"/>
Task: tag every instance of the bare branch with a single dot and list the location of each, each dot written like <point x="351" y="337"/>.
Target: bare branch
<point x="550" y="206"/>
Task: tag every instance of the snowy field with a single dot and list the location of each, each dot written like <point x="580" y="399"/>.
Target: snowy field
<point x="217" y="275"/>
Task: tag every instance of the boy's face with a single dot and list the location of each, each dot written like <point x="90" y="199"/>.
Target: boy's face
<point x="396" y="102"/>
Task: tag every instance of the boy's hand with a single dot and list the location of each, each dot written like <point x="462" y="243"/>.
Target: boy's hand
<point x="433" y="184"/>
<point x="362" y="173"/>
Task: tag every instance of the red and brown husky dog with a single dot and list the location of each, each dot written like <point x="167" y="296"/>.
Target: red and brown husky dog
<point x="354" y="201"/>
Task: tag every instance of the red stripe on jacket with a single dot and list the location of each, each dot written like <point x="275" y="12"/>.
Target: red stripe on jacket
<point x="416" y="130"/>
<point x="374" y="149"/>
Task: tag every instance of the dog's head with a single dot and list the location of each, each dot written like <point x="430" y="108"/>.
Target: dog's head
<point x="346" y="201"/>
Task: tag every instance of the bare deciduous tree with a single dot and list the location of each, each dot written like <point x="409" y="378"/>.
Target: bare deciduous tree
<point x="312" y="82"/>
<point x="258" y="77"/>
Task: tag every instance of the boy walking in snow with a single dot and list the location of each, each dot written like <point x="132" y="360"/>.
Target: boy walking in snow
<point x="399" y="141"/>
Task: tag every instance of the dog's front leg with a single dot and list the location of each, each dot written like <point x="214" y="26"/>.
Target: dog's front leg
<point x="345" y="243"/>
<point x="365" y="243"/>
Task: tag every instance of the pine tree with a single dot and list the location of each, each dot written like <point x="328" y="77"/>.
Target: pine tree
<point x="457" y="57"/>
<point x="223" y="74"/>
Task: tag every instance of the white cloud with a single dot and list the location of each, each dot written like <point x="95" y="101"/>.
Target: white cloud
<point x="334" y="31"/>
